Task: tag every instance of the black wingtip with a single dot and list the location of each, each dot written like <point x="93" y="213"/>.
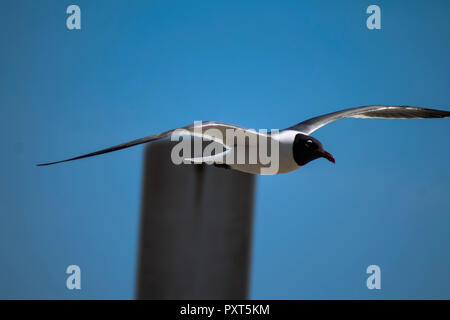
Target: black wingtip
<point x="50" y="163"/>
<point x="43" y="164"/>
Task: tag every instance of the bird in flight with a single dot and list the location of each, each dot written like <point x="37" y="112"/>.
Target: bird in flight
<point x="296" y="146"/>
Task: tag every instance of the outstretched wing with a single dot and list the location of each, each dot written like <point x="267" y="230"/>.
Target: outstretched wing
<point x="376" y="111"/>
<point x="191" y="129"/>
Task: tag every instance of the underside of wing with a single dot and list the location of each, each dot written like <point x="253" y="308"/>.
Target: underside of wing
<point x="375" y="111"/>
<point x="199" y="128"/>
<point x="216" y="158"/>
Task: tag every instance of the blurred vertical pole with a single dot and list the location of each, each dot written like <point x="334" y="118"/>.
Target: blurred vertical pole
<point x="195" y="230"/>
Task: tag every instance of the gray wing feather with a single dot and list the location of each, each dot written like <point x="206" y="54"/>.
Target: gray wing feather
<point x="375" y="111"/>
<point x="165" y="134"/>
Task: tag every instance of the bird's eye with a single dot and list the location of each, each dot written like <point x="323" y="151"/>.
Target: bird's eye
<point x="308" y="143"/>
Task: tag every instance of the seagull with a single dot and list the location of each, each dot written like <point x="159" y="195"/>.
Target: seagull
<point x="296" y="146"/>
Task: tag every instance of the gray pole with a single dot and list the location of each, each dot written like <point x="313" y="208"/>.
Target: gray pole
<point x="195" y="230"/>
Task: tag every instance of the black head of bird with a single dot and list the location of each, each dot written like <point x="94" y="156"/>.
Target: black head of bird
<point x="307" y="148"/>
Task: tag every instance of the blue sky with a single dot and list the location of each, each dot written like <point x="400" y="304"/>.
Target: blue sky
<point x="140" y="67"/>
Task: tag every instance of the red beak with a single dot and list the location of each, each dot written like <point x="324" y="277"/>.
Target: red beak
<point x="328" y="156"/>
